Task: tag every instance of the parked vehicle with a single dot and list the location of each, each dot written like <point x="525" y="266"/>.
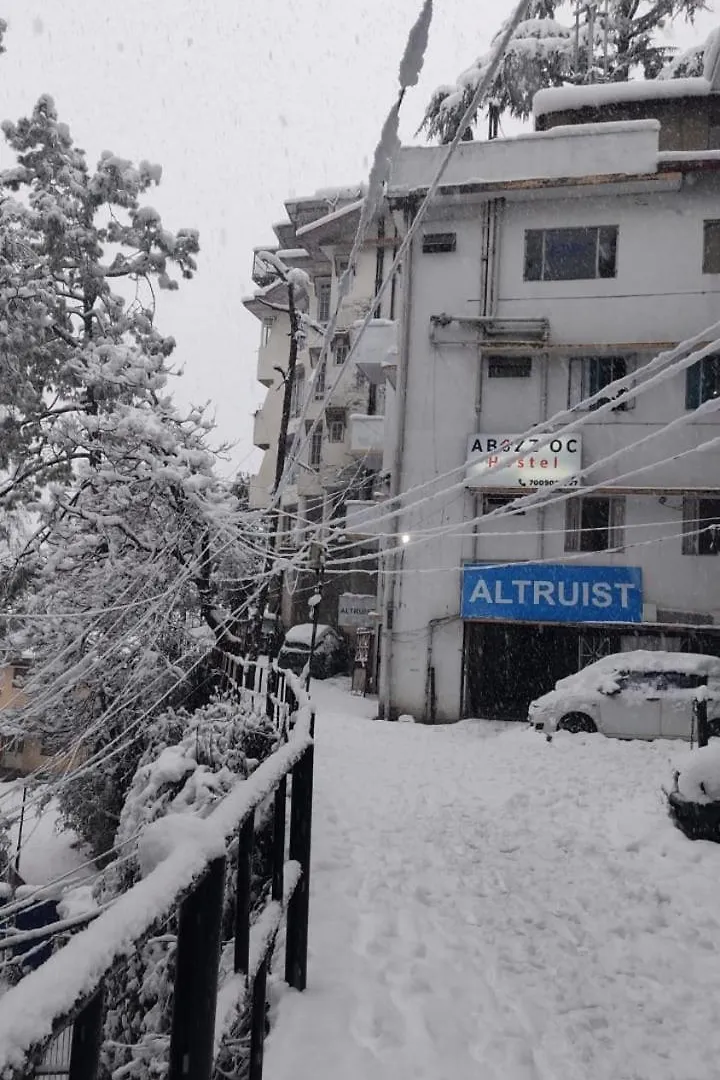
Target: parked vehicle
<point x="633" y="695"/>
<point x="329" y="656"/>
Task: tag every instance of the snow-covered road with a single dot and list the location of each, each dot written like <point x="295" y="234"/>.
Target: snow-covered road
<point x="487" y="905"/>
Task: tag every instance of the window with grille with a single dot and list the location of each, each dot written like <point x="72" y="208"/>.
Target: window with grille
<point x="267" y="325"/>
<point x="297" y="395"/>
<point x="702" y="381"/>
<point x="701" y="525"/>
<point x="335" y="423"/>
<point x="494" y="501"/>
<point x="336" y="431"/>
<point x="341" y="265"/>
<point x="320" y="382"/>
<point x="315" y="451"/>
<point x="341" y="348"/>
<point x="589" y="375"/>
<point x="595" y="523"/>
<point x="322" y="293"/>
<point x="711" y="247"/>
<point x="571" y="254"/>
<point x="509" y="367"/>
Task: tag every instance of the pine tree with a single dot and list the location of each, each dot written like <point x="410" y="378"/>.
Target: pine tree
<point x="604" y="42"/>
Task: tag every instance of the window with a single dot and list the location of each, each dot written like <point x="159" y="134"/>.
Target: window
<point x="319" y="382"/>
<point x="297" y="396"/>
<point x="509" y="367"/>
<point x="571" y="254"/>
<point x="316" y="441"/>
<point x="341" y="348"/>
<point x="322" y="292"/>
<point x="711" y="247"/>
<point x="341" y="265"/>
<point x="314" y="354"/>
<point x="435" y="243"/>
<point x="590" y="374"/>
<point x="702" y="381"/>
<point x="701" y="525"/>
<point x="494" y="501"/>
<point x="267" y="325"/>
<point x="335" y="419"/>
<point x="594" y="523"/>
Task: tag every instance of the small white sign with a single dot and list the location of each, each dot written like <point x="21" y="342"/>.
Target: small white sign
<point x="354" y="610"/>
<point x="540" y="461"/>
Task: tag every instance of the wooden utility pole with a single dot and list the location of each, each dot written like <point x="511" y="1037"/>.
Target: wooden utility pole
<point x="274" y="526"/>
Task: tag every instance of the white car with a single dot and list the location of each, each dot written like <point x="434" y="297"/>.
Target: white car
<point x="633" y="695"/>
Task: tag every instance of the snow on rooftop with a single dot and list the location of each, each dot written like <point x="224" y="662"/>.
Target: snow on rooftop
<point x="559" y="99"/>
<point x="292" y="253"/>
<point x="327" y="219"/>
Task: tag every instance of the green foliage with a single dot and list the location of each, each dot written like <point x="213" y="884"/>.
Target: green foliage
<point x="546" y="52"/>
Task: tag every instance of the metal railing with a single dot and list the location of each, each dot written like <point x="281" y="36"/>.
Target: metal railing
<point x="51" y="1022"/>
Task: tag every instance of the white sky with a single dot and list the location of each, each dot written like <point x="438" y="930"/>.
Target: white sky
<point x="244" y="103"/>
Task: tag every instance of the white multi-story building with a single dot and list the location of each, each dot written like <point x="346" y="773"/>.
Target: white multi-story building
<point x="549" y="266"/>
<point x="343" y="457"/>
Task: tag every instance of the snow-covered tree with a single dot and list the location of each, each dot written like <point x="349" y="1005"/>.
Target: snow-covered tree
<point x="132" y="521"/>
<point x="73" y="236"/>
<point x="561" y="42"/>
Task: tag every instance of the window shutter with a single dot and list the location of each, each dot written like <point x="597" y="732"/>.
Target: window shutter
<point x="691" y="514"/>
<point x="616" y="531"/>
<point x="572" y="525"/>
<point x="576" y="365"/>
<point x="693" y="376"/>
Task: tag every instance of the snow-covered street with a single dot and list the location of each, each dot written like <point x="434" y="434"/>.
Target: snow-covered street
<point x="488" y="905"/>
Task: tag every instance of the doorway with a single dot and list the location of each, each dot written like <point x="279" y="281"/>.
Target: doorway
<point x="507" y="665"/>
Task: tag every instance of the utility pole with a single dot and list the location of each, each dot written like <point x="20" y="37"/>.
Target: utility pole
<point x="274" y="527"/>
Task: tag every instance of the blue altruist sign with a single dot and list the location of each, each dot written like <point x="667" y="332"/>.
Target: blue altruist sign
<point x="535" y="592"/>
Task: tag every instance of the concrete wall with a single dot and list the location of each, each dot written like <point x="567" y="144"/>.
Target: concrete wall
<point x="659" y="295"/>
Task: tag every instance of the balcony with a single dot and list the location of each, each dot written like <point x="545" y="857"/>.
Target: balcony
<point x="360" y="515"/>
<point x="261" y="431"/>
<point x="376" y="351"/>
<point x="367" y="435"/>
<point x="266" y="361"/>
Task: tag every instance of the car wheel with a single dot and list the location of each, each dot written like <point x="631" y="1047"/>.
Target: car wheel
<point x="576" y="722"/>
<point x="714" y="728"/>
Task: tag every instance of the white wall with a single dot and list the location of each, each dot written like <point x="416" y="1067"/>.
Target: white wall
<point x="659" y="295"/>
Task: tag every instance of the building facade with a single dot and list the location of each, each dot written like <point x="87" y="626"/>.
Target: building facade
<point x="550" y="266"/>
<point x="343" y="458"/>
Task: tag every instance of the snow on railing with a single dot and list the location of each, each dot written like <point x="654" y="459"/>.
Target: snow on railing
<point x="188" y="869"/>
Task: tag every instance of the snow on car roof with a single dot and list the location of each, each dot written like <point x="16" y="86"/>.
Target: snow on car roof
<point x="641" y="660"/>
<point x="302" y="633"/>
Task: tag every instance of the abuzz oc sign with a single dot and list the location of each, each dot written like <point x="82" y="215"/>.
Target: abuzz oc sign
<point x="511" y="461"/>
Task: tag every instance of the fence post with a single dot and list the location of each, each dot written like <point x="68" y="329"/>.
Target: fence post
<point x="701" y="710"/>
<point x="242" y="895"/>
<point x="271" y="688"/>
<point x="196" y="978"/>
<point x="278" y="840"/>
<point x="257" y="1022"/>
<point x="299" y="904"/>
<point x="86" y="1039"/>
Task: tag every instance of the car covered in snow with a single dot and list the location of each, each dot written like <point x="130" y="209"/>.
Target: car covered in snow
<point x="633" y="695"/>
<point x="329" y="656"/>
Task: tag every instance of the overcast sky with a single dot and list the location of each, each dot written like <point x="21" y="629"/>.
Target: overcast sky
<point x="244" y="103"/>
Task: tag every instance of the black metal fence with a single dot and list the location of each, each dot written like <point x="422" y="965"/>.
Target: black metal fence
<point x="51" y="1022"/>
